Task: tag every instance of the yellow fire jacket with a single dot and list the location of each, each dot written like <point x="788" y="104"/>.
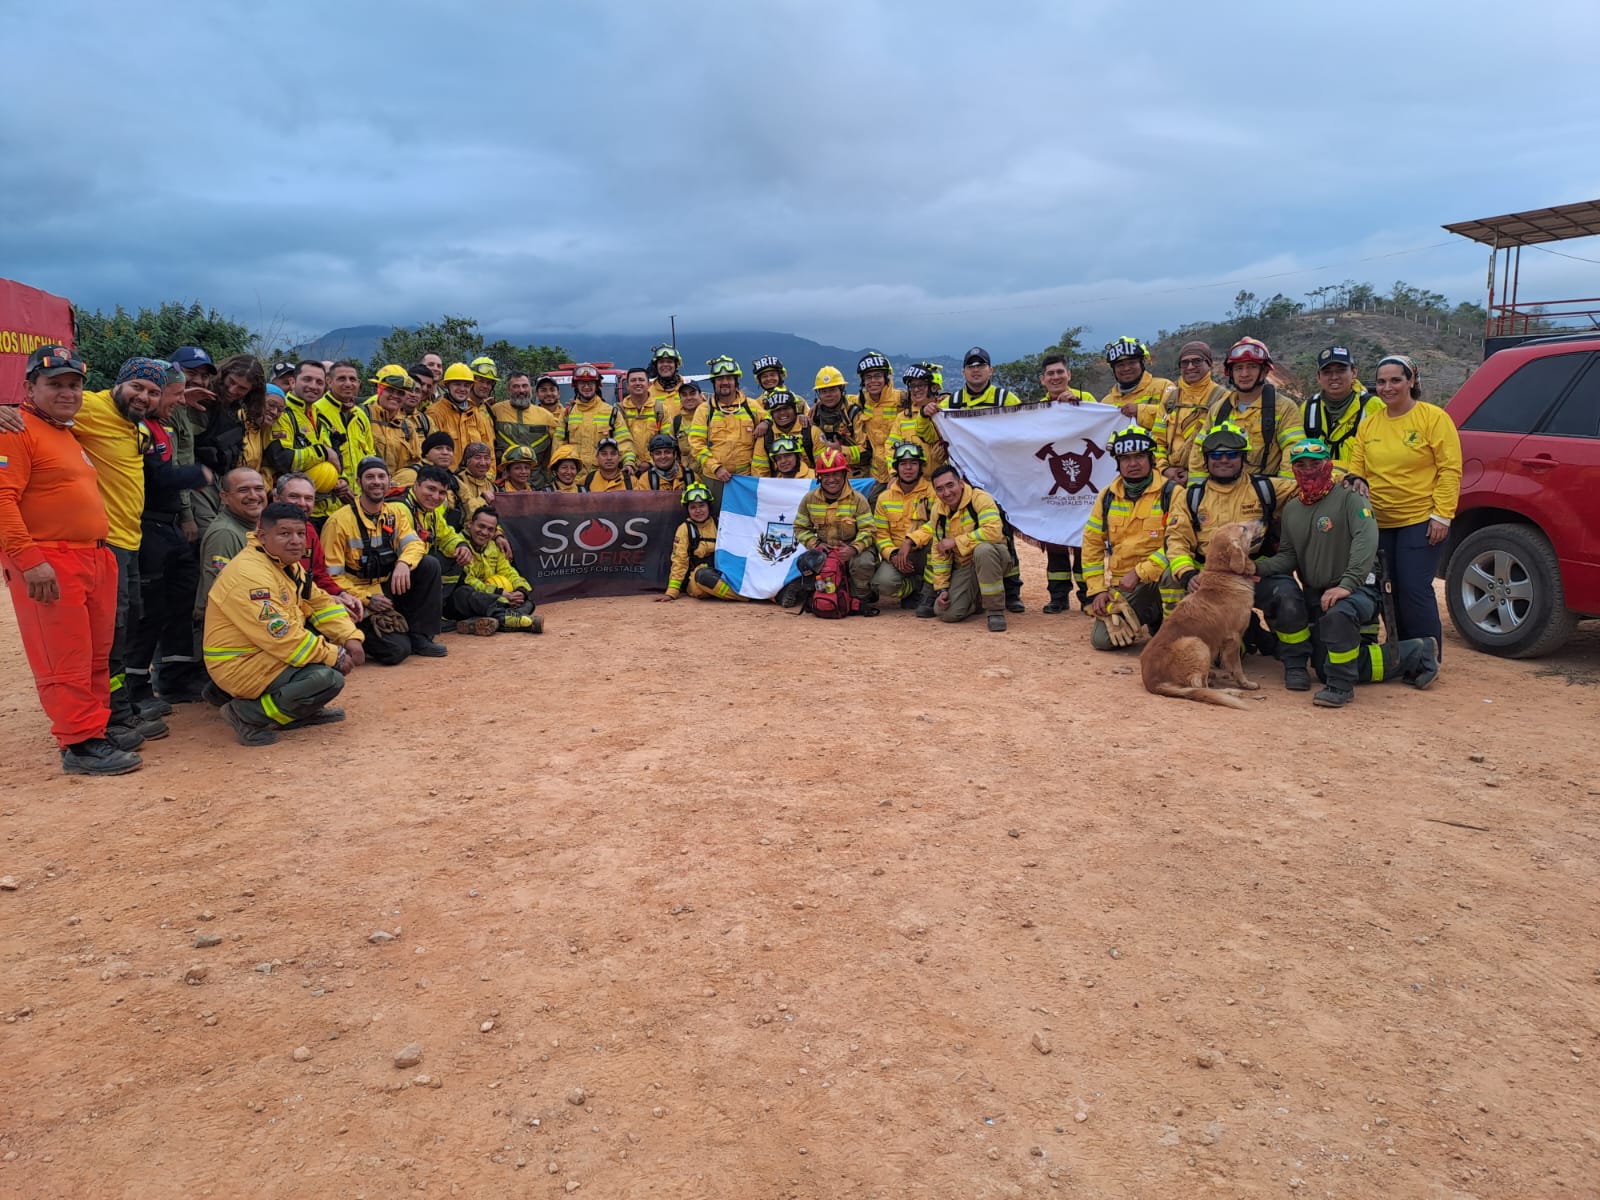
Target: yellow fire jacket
<point x="343" y="535"/>
<point x="475" y="424"/>
<point x="691" y="551"/>
<point x="1218" y="504"/>
<point x="847" y="423"/>
<point x="491" y="571"/>
<point x="975" y="518"/>
<point x="810" y="443"/>
<point x="634" y="427"/>
<point x="1183" y="420"/>
<point x="1261" y="459"/>
<point x="583" y="425"/>
<point x="822" y="523"/>
<point x="878" y="420"/>
<point x="349" y="433"/>
<point x="725" y="437"/>
<point x="899" y="511"/>
<point x="263" y="618"/>
<point x="1147" y="394"/>
<point x="596" y="482"/>
<point x="398" y="441"/>
<point x="1128" y="535"/>
<point x="534" y="427"/>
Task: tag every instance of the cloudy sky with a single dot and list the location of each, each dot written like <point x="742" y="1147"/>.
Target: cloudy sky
<point x="912" y="175"/>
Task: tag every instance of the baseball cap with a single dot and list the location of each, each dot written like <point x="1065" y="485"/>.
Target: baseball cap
<point x="53" y="359"/>
<point x="191" y="358"/>
<point x="976" y="355"/>
<point x="1335" y="354"/>
<point x="1309" y="448"/>
<point x="607" y="441"/>
<point x="279" y="370"/>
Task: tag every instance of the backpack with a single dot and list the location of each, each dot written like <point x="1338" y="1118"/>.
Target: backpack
<point x="1269" y="418"/>
<point x="1265" y="492"/>
<point x="1167" y="489"/>
<point x="825" y="587"/>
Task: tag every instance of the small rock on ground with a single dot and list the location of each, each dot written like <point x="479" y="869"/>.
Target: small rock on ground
<point x="408" y="1056"/>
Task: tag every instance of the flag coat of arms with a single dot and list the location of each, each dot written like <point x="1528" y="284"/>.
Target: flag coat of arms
<point x="756" y="547"/>
<point x="1045" y="464"/>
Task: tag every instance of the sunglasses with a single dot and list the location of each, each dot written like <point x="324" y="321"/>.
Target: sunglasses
<point x="1191" y="362"/>
<point x="51" y="361"/>
<point x="1224" y="453"/>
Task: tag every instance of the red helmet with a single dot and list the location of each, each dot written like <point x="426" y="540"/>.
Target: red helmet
<point x="586" y="371"/>
<point x="831" y="459"/>
<point x="1248" y="349"/>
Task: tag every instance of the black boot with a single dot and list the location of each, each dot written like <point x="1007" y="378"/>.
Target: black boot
<point x="1419" y="661"/>
<point x="1014" y="602"/>
<point x="925" y="601"/>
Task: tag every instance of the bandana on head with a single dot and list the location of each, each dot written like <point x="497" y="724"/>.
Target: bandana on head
<point x="1406" y="362"/>
<point x="151" y="370"/>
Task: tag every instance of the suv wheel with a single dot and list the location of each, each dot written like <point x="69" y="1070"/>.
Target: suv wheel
<point x="1503" y="586"/>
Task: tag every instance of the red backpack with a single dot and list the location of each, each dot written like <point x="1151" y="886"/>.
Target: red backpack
<point x="825" y="587"/>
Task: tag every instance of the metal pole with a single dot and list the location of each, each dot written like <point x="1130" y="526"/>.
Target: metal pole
<point x="674" y="319"/>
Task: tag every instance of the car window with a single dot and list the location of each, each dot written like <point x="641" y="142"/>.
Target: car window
<point x="1521" y="401"/>
<point x="1579" y="414"/>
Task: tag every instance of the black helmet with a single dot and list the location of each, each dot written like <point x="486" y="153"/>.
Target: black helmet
<point x="872" y="361"/>
<point x="778" y="397"/>
<point x="663" y="441"/>
<point x="1132" y="440"/>
<point x="769" y="362"/>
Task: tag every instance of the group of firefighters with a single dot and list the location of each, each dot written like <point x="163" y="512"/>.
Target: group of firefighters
<point x="198" y="533"/>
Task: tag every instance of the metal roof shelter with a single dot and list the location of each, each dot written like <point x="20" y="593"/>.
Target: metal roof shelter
<point x="1506" y="236"/>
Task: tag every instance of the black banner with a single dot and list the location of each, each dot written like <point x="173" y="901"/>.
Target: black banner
<point x="572" y="544"/>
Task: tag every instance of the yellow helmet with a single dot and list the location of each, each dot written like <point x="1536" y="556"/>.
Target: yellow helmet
<point x="394" y="376"/>
<point x="564" y="454"/>
<point x="483" y="367"/>
<point x="498" y="583"/>
<point x="458" y="373"/>
<point x="829" y="377"/>
<point x="324" y="476"/>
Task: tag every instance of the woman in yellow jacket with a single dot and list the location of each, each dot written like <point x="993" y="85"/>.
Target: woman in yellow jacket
<point x="694" y="548"/>
<point x="1407" y="460"/>
<point x="879" y="401"/>
<point x="564" y="468"/>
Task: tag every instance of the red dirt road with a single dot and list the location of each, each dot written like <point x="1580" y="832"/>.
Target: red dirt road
<point x="876" y="909"/>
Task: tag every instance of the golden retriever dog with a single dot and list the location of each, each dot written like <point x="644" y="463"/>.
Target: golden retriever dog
<point x="1199" y="643"/>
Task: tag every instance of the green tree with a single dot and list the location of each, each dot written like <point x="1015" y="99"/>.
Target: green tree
<point x="457" y="339"/>
<point x="1022" y="375"/>
<point x="107" y="340"/>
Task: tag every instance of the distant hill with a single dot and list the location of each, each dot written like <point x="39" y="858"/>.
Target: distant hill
<point x="1444" y="359"/>
<point x="802" y="357"/>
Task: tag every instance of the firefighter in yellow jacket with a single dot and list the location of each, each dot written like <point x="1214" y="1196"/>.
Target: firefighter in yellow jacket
<point x="1136" y="391"/>
<point x="1125" y="545"/>
<point x="879" y="403"/>
<point x="1225" y="494"/>
<point x="665" y="473"/>
<point x="967" y="556"/>
<point x="835" y="516"/>
<point x="783" y="420"/>
<point x="1185" y="411"/>
<point x="694" y="548"/>
<point x="786" y="461"/>
<point x="901" y="507"/>
<point x="1271" y="422"/>
<point x="492" y="595"/>
<point x="588" y="418"/>
<point x="723" y="432"/>
<point x="637" y="418"/>
<point x="520" y="421"/>
<point x="460" y="414"/>
<point x="274" y="641"/>
<point x="841" y="423"/>
<point x="564" y="468"/>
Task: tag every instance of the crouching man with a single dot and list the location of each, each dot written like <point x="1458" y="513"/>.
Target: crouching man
<point x="492" y="594"/>
<point x="275" y="642"/>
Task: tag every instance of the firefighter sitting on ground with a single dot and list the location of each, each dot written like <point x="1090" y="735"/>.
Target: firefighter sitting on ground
<point x="835" y="516"/>
<point x="665" y="473"/>
<point x="901" y="507"/>
<point x="1330" y="540"/>
<point x="1224" y="494"/>
<point x="1124" y="545"/>
<point x="694" y="549"/>
<point x="608" y="476"/>
<point x="967" y="556"/>
<point x="492" y="595"/>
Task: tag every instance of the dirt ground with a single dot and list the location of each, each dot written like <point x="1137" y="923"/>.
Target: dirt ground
<point x="877" y="909"/>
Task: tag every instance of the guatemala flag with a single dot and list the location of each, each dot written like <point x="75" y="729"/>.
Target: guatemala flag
<point x="756" y="550"/>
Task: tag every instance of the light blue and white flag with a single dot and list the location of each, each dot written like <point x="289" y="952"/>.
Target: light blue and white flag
<point x="756" y="550"/>
<point x="1044" y="464"/>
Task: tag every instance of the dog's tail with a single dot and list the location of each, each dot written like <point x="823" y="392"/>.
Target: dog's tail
<point x="1205" y="695"/>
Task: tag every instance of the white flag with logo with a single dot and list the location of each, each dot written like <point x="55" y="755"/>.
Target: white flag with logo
<point x="1045" y="464"/>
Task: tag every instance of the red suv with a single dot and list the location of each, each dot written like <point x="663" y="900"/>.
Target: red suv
<point x="1523" y="564"/>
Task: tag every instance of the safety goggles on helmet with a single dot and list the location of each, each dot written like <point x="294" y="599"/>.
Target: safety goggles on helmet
<point x="767" y="362"/>
<point x="1132" y="440"/>
<point x="483" y="367"/>
<point x="910" y="452"/>
<point x="396" y="377"/>
<point x="723" y="365"/>
<point x="1226" y="436"/>
<point x="662" y="441"/>
<point x="665" y="351"/>
<point x="785" y="445"/>
<point x="1248" y="350"/>
<point x="1125" y="347"/>
<point x="780" y="398"/>
<point x="586" y="371"/>
<point x="696" y="492"/>
<point x="872" y="362"/>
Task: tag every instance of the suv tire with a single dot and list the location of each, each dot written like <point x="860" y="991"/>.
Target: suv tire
<point x="1503" y="588"/>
